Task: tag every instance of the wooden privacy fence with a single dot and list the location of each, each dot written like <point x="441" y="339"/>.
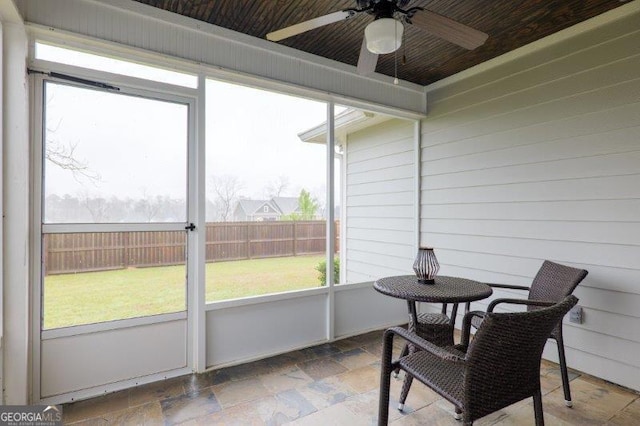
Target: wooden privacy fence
<point x="100" y="251"/>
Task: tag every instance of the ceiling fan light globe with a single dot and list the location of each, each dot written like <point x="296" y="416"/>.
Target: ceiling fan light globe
<point x="384" y="35"/>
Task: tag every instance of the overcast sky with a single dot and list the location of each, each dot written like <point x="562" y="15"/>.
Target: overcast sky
<point x="253" y="134"/>
<point x="137" y="146"/>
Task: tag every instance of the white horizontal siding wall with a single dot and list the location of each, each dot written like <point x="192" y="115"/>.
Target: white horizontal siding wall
<point x="380" y="201"/>
<point x="538" y="157"/>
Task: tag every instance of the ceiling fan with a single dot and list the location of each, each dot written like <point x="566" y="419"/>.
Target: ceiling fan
<point x="384" y="34"/>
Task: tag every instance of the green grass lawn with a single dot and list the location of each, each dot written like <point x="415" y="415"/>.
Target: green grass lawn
<point x="89" y="297"/>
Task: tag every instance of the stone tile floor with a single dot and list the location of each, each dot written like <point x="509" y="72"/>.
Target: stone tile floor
<point x="334" y="384"/>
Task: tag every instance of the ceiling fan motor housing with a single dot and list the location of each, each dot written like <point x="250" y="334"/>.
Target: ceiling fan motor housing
<point x="362" y="4"/>
<point x="384" y="8"/>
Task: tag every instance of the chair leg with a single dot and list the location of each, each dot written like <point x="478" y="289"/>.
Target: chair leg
<point x="405" y="352"/>
<point x="385" y="379"/>
<point x="537" y="408"/>
<point x="458" y="413"/>
<point x="563" y="372"/>
<point x="465" y="417"/>
<point x="406" y="385"/>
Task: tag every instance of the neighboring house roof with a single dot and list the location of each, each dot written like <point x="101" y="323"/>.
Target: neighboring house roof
<point x="251" y="206"/>
<point x="280" y="205"/>
<point x="286" y="205"/>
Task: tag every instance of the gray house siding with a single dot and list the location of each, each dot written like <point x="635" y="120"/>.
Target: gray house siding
<point x="539" y="158"/>
<point x="380" y="202"/>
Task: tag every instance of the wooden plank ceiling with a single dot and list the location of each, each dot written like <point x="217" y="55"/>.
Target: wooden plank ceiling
<point x="510" y="24"/>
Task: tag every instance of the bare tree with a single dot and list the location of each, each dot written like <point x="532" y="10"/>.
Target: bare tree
<point x="149" y="206"/>
<point x="97" y="207"/>
<point x="277" y="187"/>
<point x="226" y="191"/>
<point x="64" y="156"/>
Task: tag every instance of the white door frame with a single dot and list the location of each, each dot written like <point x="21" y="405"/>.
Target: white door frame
<point x="194" y="247"/>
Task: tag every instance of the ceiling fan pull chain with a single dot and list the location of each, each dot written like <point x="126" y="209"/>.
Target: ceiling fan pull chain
<point x="395" y="58"/>
<point x="403" y="61"/>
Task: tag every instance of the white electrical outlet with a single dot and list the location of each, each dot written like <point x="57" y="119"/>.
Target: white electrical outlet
<point x="575" y="314"/>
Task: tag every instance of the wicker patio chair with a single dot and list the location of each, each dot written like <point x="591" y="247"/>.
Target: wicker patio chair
<point x="436" y="328"/>
<point x="500" y="367"/>
<point x="553" y="282"/>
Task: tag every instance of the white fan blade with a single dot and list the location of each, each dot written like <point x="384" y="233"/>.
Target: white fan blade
<point x="448" y="29"/>
<point x="308" y="25"/>
<point x="367" y="61"/>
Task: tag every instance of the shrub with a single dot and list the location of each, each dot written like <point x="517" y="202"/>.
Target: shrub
<point x="322" y="269"/>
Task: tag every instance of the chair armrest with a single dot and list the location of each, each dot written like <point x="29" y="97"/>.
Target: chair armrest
<point x="528" y="302"/>
<point x="508" y="286"/>
<point x="503" y="286"/>
<point x="438" y="351"/>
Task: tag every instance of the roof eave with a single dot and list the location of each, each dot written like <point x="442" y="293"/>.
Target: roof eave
<point x="348" y="121"/>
